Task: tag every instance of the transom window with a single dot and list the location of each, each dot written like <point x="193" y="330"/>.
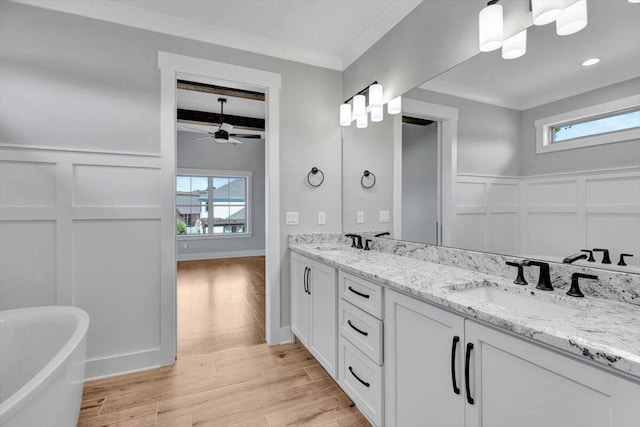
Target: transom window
<point x="615" y="121"/>
<point x="212" y="205"/>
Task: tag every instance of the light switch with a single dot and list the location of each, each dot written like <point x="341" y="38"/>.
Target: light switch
<point x="322" y="218"/>
<point x="384" y="216"/>
<point x="360" y="217"/>
<point x="292" y="218"/>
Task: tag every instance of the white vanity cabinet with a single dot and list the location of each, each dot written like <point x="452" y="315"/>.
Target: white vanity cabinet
<point x="314" y="309"/>
<point x="512" y="382"/>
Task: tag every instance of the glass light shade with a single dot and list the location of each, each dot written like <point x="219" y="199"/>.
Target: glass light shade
<point x="362" y="122"/>
<point x="546" y="11"/>
<point x="359" y="102"/>
<point x="376" y="114"/>
<point x="590" y="62"/>
<point x="634" y="1"/>
<point x="345" y="115"/>
<point x="515" y="46"/>
<point x="375" y="96"/>
<point x="573" y="19"/>
<point x="395" y="106"/>
<point x="490" y="25"/>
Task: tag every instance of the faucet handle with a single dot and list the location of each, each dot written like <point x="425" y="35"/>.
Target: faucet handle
<point x="605" y="256"/>
<point x="621" y="262"/>
<point x="575" y="291"/>
<point x="591" y="258"/>
<point x="520" y="280"/>
<point x="366" y="244"/>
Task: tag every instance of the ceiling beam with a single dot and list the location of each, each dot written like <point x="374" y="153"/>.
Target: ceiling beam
<point x="207" y="118"/>
<point x="416" y="121"/>
<point x="220" y="90"/>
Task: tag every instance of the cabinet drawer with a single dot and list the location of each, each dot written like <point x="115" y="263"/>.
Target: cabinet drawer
<point x="362" y="330"/>
<point x="361" y="293"/>
<point x="361" y="379"/>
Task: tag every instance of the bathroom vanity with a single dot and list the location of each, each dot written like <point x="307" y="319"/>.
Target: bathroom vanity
<point x="414" y="342"/>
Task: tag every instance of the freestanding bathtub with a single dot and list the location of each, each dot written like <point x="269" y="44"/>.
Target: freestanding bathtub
<point x="42" y="360"/>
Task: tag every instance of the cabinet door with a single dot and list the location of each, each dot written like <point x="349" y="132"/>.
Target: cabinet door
<point x="518" y="383"/>
<point x="324" y="313"/>
<point x="299" y="298"/>
<point x="418" y="342"/>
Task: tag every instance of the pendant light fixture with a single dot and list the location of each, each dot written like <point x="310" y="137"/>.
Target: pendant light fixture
<point x="515" y="46"/>
<point x="356" y="108"/>
<point x="491" y="27"/>
<point x="573" y="18"/>
<point x="546" y="11"/>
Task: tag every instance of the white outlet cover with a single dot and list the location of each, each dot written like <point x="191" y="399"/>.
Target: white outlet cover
<point x="322" y="218"/>
<point x="384" y="216"/>
<point x="360" y="217"/>
<point x="292" y="218"/>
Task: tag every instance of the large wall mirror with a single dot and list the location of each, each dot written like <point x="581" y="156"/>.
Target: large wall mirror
<point x="537" y="156"/>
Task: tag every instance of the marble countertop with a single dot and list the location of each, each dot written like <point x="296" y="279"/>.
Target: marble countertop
<point x="604" y="331"/>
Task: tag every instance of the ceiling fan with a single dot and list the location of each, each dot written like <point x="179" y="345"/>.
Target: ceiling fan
<point x="223" y="135"/>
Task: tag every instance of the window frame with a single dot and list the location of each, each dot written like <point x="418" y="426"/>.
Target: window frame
<point x="218" y="173"/>
<point x="544" y="127"/>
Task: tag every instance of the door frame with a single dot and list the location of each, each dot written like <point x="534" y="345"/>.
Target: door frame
<point x="447" y="118"/>
<point x="171" y="65"/>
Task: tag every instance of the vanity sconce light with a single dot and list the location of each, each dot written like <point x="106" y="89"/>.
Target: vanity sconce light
<point x="367" y="175"/>
<point x="315" y="171"/>
<point x="355" y="109"/>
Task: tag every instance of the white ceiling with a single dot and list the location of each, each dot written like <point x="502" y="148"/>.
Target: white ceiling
<point x="326" y="33"/>
<point x="552" y="67"/>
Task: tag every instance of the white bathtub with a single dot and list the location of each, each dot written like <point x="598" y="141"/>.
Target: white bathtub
<point x="42" y="359"/>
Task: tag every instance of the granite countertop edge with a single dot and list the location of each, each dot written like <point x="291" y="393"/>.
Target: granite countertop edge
<point x="588" y="334"/>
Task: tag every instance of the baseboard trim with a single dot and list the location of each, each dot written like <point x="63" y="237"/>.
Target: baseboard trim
<point x="218" y="255"/>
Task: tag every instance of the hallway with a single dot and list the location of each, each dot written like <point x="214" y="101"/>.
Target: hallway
<point x="225" y="374"/>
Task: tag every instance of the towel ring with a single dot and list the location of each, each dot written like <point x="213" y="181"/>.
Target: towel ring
<point x="367" y="174"/>
<point x="315" y="171"/>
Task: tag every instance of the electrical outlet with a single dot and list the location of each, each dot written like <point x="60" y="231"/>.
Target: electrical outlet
<point x="185" y="245"/>
<point x="360" y="217"/>
<point x="322" y="218"/>
<point x="292" y="218"/>
<point x="384" y="216"/>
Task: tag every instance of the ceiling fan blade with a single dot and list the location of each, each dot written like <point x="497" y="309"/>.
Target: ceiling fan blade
<point x="204" y="137"/>
<point x="194" y="129"/>
<point x="245" y="136"/>
<point x="235" y="141"/>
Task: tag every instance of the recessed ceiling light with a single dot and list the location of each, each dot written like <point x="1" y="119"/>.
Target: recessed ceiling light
<point x="592" y="61"/>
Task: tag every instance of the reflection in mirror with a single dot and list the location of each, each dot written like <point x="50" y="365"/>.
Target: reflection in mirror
<point x="525" y="182"/>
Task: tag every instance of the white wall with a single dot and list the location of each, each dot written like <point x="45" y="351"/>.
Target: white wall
<point x="419" y="183"/>
<point x="248" y="156"/>
<point x="71" y="84"/>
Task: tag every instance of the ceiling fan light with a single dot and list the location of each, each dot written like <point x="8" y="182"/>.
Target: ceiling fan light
<point x="395" y="105"/>
<point x="546" y="11"/>
<point x="515" y="46"/>
<point x="573" y="18"/>
<point x="345" y="115"/>
<point x="362" y="122"/>
<point x="490" y="28"/>
<point x="359" y="106"/>
<point x="634" y="1"/>
<point x="377" y="114"/>
<point x="375" y="95"/>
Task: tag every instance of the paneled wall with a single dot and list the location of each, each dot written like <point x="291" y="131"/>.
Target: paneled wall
<point x="551" y="215"/>
<point x="83" y="229"/>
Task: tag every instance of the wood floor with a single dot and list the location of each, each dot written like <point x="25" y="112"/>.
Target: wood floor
<point x="225" y="374"/>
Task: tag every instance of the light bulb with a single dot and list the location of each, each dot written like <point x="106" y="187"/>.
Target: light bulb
<point x="515" y="46"/>
<point x="395" y="106"/>
<point x="546" y="11"/>
<point x="359" y="106"/>
<point x="375" y="95"/>
<point x="634" y="1"/>
<point x="490" y="28"/>
<point x="345" y="115"/>
<point x="590" y="62"/>
<point x="573" y="18"/>
<point x="361" y="122"/>
<point x="376" y="114"/>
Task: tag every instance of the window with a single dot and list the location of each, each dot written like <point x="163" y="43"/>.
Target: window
<point x="215" y="204"/>
<point x="616" y="121"/>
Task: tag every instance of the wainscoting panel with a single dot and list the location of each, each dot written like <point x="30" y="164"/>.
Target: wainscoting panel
<point x="554" y="234"/>
<point x="83" y="228"/>
<point x="472" y="232"/>
<point x="27" y="264"/>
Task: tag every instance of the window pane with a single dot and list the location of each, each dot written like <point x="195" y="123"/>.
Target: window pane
<point x="199" y="184"/>
<point x="613" y="123"/>
<point x="220" y="190"/>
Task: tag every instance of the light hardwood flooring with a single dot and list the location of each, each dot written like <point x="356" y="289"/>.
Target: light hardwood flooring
<point x="225" y="374"/>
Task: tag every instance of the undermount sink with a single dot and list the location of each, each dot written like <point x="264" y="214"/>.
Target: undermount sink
<point x="525" y="304"/>
<point x="330" y="247"/>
